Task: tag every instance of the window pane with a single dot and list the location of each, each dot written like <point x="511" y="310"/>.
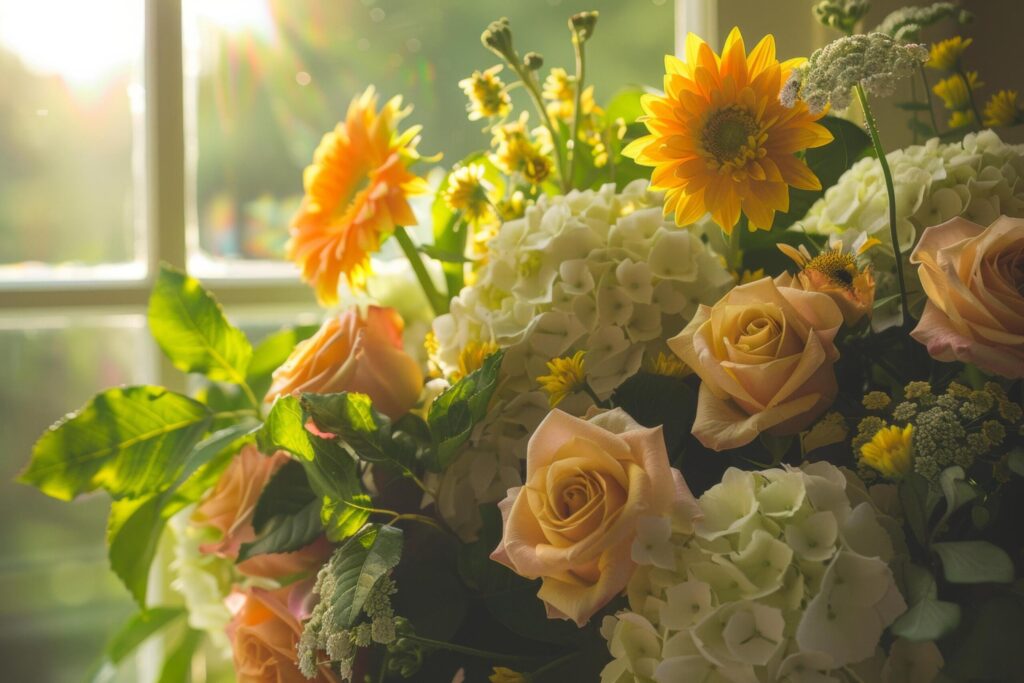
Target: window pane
<point x="61" y="602"/>
<point x="269" y="77"/>
<point x="70" y="106"/>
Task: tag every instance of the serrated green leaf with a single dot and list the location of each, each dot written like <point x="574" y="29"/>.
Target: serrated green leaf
<point x="356" y="567"/>
<point x="286" y="493"/>
<point x="974" y="562"/>
<point x="368" y="433"/>
<point x="177" y="666"/>
<point x="272" y="352"/>
<point x="285" y="429"/>
<point x="920" y="584"/>
<point x="334" y="476"/>
<point x="130" y="441"/>
<point x="190" y="327"/>
<point x="927" y="620"/>
<point x="453" y="414"/>
<point x="286" y="533"/>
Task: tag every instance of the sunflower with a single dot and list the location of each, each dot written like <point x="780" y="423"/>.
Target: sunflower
<point x="357" y="191"/>
<point x="720" y="141"/>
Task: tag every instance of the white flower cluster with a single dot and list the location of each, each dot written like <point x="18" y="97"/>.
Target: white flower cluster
<point x="980" y="178"/>
<point x="906" y="23"/>
<point x="875" y="61"/>
<point x="597" y="271"/>
<point x="785" y="578"/>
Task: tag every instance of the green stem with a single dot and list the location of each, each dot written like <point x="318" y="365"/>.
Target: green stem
<point x="465" y="650"/>
<point x="228" y="414"/>
<point x="735" y="257"/>
<point x="928" y="97"/>
<point x="970" y="97"/>
<point x="554" y="664"/>
<point x="533" y="88"/>
<point x="437" y="302"/>
<point x="577" y="114"/>
<point x="869" y="119"/>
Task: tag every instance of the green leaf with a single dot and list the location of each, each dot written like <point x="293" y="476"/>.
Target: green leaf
<point x="285" y="430"/>
<point x="352" y="417"/>
<point x="135" y="525"/>
<point x="656" y="400"/>
<point x="625" y="105"/>
<point x="927" y="620"/>
<point x="453" y="414"/>
<point x="986" y="647"/>
<point x="286" y="533"/>
<point x="443" y="256"/>
<point x="190" y="327"/>
<point x="955" y="490"/>
<point x="913" y="493"/>
<point x="272" y="352"/>
<point x="920" y="584"/>
<point x="287" y="493"/>
<point x="130" y="441"/>
<point x="177" y="666"/>
<point x="1015" y="460"/>
<point x="974" y="562"/>
<point x="355" y="569"/>
<point x="334" y="476"/>
<point x="138" y="629"/>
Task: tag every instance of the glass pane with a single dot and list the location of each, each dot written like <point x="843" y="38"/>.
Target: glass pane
<point x="70" y="119"/>
<point x="61" y="602"/>
<point x="270" y="77"/>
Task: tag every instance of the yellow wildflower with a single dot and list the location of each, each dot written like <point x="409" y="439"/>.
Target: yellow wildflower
<point x="955" y="91"/>
<point x="502" y="674"/>
<point x="829" y="430"/>
<point x="961" y="119"/>
<point x="487" y="95"/>
<point x="1003" y="109"/>
<point x="666" y="365"/>
<point x="560" y="92"/>
<point x="432" y="347"/>
<point x="566" y="378"/>
<point x="889" y="451"/>
<point x="467" y="192"/>
<point x="472" y="357"/>
<point x="536" y="168"/>
<point x="512" y="207"/>
<point x="751" y="276"/>
<point x="512" y="145"/>
<point x="945" y="54"/>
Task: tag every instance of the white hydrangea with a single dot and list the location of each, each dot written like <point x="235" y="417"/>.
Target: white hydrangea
<point x="597" y="271"/>
<point x="785" y="578"/>
<point x="979" y="178"/>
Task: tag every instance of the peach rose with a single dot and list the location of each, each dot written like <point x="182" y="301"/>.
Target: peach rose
<point x="352" y="352"/>
<point x="974" y="279"/>
<point x="765" y="355"/>
<point x="588" y="483"/>
<point x="229" y="508"/>
<point x="264" y="635"/>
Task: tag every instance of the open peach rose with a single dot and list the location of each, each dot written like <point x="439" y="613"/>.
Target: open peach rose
<point x="264" y="635"/>
<point x="354" y="352"/>
<point x="974" y="279"/>
<point x="572" y="525"/>
<point x="229" y="508"/>
<point x="765" y="355"/>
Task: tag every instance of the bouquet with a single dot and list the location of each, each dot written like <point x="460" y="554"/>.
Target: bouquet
<point x="713" y="387"/>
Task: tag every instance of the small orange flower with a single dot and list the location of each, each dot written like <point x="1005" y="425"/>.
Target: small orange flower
<point x="357" y="191"/>
<point x="720" y="141"/>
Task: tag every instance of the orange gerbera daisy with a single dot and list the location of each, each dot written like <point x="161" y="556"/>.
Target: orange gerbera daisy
<point x="720" y="141"/>
<point x="357" y="191"/>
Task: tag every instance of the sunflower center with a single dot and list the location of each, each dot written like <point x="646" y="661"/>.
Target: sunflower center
<point x="730" y="136"/>
<point x="837" y="266"/>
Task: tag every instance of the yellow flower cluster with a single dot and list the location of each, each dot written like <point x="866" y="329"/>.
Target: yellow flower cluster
<point x="1004" y="108"/>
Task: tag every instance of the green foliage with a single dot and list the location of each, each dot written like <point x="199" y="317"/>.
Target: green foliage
<point x="430" y="595"/>
<point x="287" y="515"/>
<point x="271" y="353"/>
<point x="354" y="570"/>
<point x="284" y="429"/>
<point x="986" y="647"/>
<point x="656" y="400"/>
<point x="974" y="562"/>
<point x="334" y="476"/>
<point x="365" y="431"/>
<point x="177" y="666"/>
<point x="130" y="441"/>
<point x="133" y="633"/>
<point x="190" y="327"/>
<point x="135" y="525"/>
<point x="927" y="618"/>
<point x="913" y="493"/>
<point x="453" y="414"/>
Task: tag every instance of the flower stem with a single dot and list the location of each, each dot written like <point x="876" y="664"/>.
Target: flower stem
<point x="970" y="97"/>
<point x="928" y="98"/>
<point x="533" y="88"/>
<point x="581" y="64"/>
<point x="869" y="119"/>
<point x="465" y="650"/>
<point x="437" y="302"/>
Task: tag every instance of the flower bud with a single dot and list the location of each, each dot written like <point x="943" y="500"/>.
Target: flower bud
<point x="497" y="38"/>
<point x="582" y="25"/>
<point x="533" y="61"/>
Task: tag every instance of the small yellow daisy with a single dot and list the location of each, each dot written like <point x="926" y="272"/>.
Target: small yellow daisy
<point x="567" y="377"/>
<point x="1003" y="109"/>
<point x="955" y="91"/>
<point x="945" y="54"/>
<point x="487" y="95"/>
<point x="889" y="451"/>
